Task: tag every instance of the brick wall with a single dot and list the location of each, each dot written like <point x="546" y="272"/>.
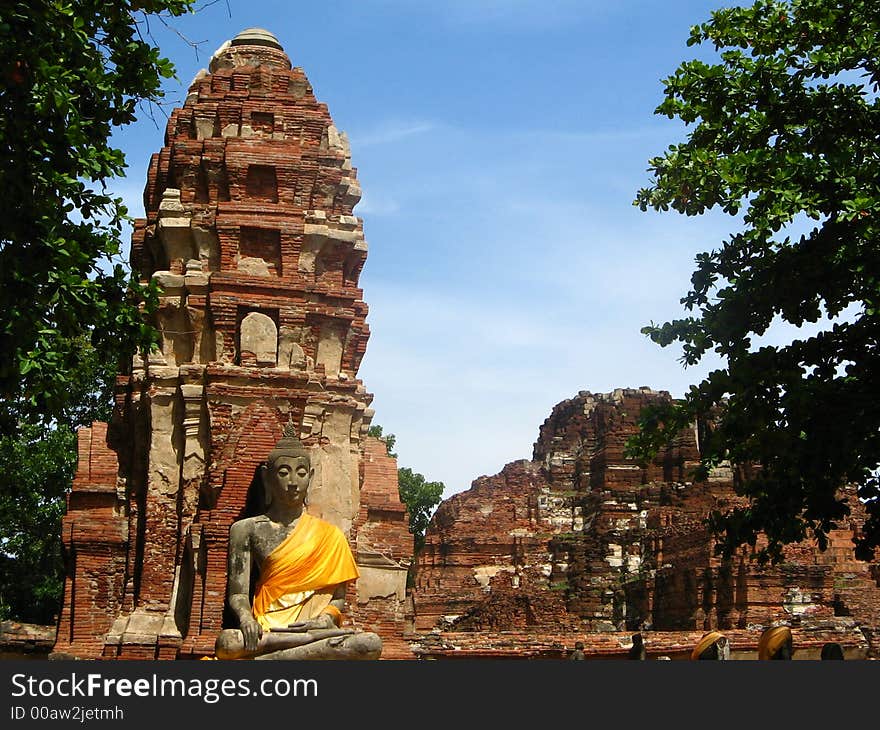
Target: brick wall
<point x="384" y="552"/>
<point x="95" y="538"/>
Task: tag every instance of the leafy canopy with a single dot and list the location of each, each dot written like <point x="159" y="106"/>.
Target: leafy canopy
<point x="390" y="439"/>
<point x="37" y="465"/>
<point x="785" y="132"/>
<point x="70" y="71"/>
<point x="419" y="495"/>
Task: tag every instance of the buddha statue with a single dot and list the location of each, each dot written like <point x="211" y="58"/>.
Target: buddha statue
<point x="637" y="650"/>
<point x="304" y="565"/>
<point x="832" y="650"/>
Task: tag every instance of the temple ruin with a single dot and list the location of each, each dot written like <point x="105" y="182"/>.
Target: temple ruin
<point x="250" y="235"/>
<point x="581" y="543"/>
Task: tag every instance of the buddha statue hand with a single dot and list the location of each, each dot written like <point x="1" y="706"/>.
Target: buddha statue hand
<point x="251" y="633"/>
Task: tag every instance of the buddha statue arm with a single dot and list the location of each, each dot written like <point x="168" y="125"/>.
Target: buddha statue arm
<point x="338" y="600"/>
<point x="239" y="583"/>
<point x="331" y="617"/>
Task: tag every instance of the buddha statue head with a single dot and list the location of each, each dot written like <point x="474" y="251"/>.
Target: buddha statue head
<point x="288" y="471"/>
<point x="713" y="645"/>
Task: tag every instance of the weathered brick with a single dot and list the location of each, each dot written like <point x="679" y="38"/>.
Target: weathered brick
<point x="248" y="220"/>
<point x="581" y="542"/>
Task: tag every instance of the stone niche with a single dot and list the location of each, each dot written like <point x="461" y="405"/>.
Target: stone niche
<point x="258" y="340"/>
<point x="262" y="183"/>
<point x="259" y="251"/>
<point x="331" y="347"/>
<point x="291" y="355"/>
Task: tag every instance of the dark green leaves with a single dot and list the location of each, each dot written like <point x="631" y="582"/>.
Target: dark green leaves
<point x="70" y="71"/>
<point x="420" y="497"/>
<point x="785" y="132"/>
<point x="37" y="464"/>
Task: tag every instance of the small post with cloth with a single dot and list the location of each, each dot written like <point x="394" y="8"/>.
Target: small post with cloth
<point x="776" y="643"/>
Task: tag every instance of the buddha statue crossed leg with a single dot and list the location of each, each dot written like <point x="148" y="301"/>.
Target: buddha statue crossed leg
<point x="304" y="565"/>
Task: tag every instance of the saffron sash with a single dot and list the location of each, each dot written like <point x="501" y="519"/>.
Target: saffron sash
<point x="311" y="561"/>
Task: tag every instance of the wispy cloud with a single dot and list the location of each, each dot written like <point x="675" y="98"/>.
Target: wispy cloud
<point x="377" y="204"/>
<point x="389" y="131"/>
<point x="489" y="374"/>
<point x="499" y="145"/>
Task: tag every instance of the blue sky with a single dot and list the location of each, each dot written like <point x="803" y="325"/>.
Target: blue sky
<point x="499" y="145"/>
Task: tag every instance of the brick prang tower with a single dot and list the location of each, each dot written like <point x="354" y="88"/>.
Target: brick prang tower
<point x="250" y="235"/>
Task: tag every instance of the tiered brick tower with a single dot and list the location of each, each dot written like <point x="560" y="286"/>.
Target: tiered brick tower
<point x="249" y="233"/>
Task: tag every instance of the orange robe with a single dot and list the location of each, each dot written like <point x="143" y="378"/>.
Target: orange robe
<point x="298" y="577"/>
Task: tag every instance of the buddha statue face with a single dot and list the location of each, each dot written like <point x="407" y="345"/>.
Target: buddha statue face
<point x="288" y="472"/>
<point x="287" y="479"/>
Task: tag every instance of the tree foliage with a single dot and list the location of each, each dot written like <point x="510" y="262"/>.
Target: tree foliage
<point x="389" y="439"/>
<point x="36" y="468"/>
<point x="785" y="132"/>
<point x="37" y="464"/>
<point x="419" y="495"/>
<point x="70" y="72"/>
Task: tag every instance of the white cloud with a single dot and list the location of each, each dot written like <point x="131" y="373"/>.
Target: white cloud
<point x="389" y="131"/>
<point x="466" y="382"/>
<point x="377" y="204"/>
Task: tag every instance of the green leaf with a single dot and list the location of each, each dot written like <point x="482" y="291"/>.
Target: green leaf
<point x="773" y="142"/>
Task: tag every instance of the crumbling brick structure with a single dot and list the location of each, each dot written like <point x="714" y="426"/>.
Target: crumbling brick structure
<point x="581" y="543"/>
<point x="384" y="550"/>
<point x="250" y="235"/>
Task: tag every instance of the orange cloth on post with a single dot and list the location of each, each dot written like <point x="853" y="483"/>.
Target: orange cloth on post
<point x="772" y="640"/>
<point x="313" y="557"/>
<point x="704" y="643"/>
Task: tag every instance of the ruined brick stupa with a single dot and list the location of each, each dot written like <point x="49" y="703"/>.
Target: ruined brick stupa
<point x="249" y="233"/>
<point x="582" y="543"/>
